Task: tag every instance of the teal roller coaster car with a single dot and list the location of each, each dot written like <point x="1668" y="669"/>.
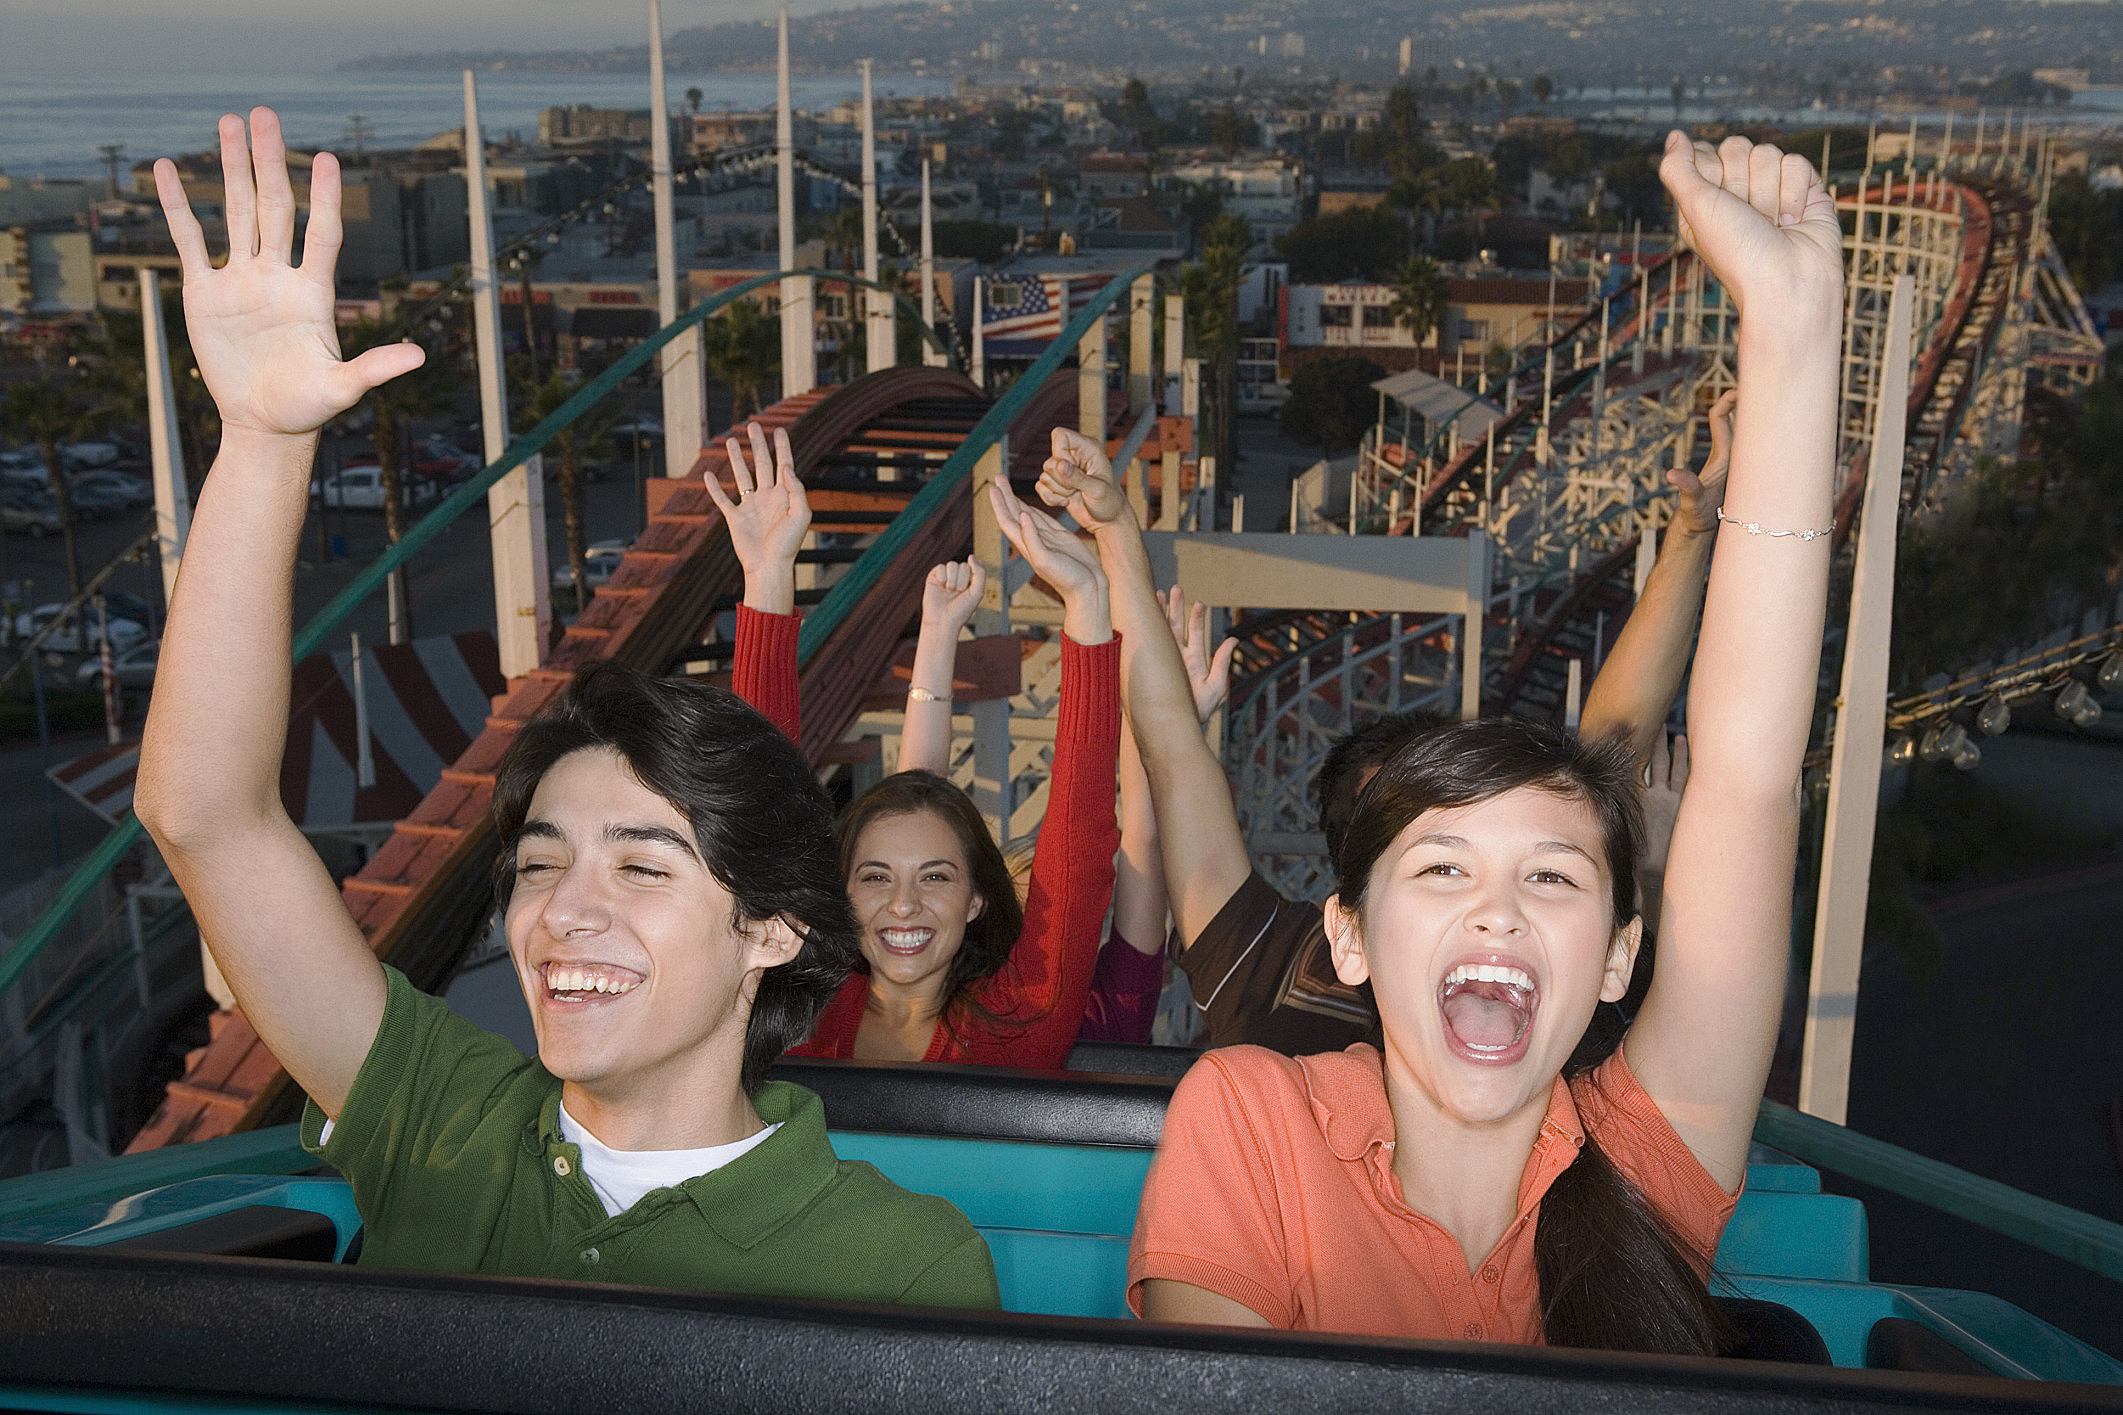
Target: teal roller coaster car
<point x="221" y="1276"/>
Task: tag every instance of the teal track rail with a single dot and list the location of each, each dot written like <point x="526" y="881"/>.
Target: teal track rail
<point x="2090" y="1242"/>
<point x="313" y="634"/>
<point x="819" y="624"/>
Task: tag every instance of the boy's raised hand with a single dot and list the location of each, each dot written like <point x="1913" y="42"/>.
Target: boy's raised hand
<point x="1761" y="218"/>
<point x="1078" y="478"/>
<point x="261" y="326"/>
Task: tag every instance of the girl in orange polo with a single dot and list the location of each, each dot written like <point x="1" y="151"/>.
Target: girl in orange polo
<point x="1473" y="1179"/>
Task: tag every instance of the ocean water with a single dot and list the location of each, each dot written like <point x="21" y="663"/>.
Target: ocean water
<point x="52" y="124"/>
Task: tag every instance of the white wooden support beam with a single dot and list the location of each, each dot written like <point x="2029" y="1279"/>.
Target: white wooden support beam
<point x="799" y="347"/>
<point x="1091" y="382"/>
<point x="1142" y="339"/>
<point x="173" y="500"/>
<point x="1855" y="758"/>
<point x="685" y="389"/>
<point x="880" y="346"/>
<point x="1474" y="606"/>
<point x="516" y="503"/>
<point x="991" y="719"/>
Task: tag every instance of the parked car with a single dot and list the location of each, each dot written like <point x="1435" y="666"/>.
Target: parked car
<point x="29" y="509"/>
<point x="135" y="666"/>
<point x="127" y="491"/>
<point x="361" y="489"/>
<point x="88" y="454"/>
<point x="648" y="428"/>
<point x="71" y="638"/>
<point x="131" y="606"/>
<point x="600" y="561"/>
<point x="22" y="459"/>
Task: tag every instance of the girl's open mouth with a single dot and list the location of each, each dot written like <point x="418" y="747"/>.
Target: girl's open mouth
<point x="1488" y="1011"/>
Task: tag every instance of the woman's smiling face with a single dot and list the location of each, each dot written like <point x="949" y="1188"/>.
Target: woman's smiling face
<point x="912" y="888"/>
<point x="1487" y="932"/>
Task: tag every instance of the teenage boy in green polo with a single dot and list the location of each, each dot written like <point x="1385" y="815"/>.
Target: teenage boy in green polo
<point x="674" y="902"/>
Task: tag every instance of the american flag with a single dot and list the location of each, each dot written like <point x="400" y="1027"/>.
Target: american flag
<point x="1022" y="313"/>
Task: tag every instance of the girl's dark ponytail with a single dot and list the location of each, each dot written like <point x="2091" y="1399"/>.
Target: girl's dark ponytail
<point x="1613" y="1275"/>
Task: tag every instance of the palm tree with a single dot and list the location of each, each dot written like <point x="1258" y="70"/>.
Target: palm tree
<point x="742" y="347"/>
<point x="584" y="440"/>
<point x="421" y="393"/>
<point x="1211" y="291"/>
<point x="693" y="97"/>
<point x="1419" y="296"/>
<point x="48" y="413"/>
<point x="114" y="365"/>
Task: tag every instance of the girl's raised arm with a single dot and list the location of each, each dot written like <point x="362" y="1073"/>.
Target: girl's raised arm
<point x="1766" y="226"/>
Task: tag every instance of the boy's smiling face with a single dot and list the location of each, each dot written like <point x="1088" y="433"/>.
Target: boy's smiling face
<point x="627" y="946"/>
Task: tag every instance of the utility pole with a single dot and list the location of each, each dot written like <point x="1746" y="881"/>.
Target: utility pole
<point x="685" y="393"/>
<point x="516" y="503"/>
<point x="357" y="134"/>
<point x="112" y="152"/>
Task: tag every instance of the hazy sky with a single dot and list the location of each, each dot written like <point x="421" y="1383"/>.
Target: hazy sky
<point x="144" y="34"/>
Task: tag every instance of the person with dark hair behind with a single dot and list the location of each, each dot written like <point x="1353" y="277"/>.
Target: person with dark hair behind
<point x="953" y="968"/>
<point x="1478" y="1176"/>
<point x="671" y="897"/>
<point x="1258" y="962"/>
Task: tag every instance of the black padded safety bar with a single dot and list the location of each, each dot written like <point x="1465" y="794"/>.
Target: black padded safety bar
<point x="985" y="1102"/>
<point x="252" y="1328"/>
<point x="1128" y="1059"/>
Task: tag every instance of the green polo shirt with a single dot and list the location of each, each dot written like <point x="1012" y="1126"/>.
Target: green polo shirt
<point x="451" y="1141"/>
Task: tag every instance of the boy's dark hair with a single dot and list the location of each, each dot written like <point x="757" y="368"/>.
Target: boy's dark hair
<point x="1341" y="774"/>
<point x="760" y="820"/>
<point x="990" y="937"/>
<point x="1613" y="1275"/>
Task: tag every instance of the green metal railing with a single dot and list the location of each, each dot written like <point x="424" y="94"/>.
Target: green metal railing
<point x="2090" y="1242"/>
<point x="121" y="837"/>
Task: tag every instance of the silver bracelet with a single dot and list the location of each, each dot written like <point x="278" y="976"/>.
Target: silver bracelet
<point x="1754" y="528"/>
<point x="918" y="694"/>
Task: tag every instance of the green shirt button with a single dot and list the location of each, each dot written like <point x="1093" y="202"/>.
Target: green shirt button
<point x="561" y="1166"/>
<point x="589" y="1256"/>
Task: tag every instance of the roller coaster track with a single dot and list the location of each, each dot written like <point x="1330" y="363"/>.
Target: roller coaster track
<point x="1627" y="383"/>
<point x="422" y="899"/>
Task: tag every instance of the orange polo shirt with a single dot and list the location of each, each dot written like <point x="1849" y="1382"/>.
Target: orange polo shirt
<point x="1274" y="1186"/>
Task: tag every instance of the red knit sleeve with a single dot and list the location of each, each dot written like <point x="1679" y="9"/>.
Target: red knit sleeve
<point x="1047" y="981"/>
<point x="765" y="672"/>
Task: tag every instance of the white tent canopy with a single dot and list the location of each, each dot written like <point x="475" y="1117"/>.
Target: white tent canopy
<point x="1437" y="402"/>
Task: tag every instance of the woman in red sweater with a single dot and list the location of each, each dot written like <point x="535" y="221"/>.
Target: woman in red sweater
<point x="957" y="969"/>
